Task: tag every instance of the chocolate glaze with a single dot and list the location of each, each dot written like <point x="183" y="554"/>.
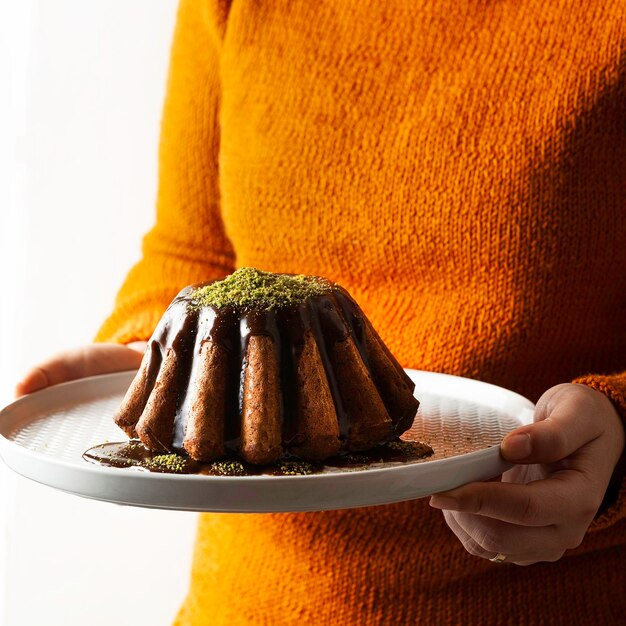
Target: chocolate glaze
<point x="133" y="454"/>
<point x="330" y="317"/>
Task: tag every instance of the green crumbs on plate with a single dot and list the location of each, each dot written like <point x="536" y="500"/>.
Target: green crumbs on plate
<point x="227" y="468"/>
<point x="249" y="288"/>
<point x="295" y="468"/>
<point x="167" y="463"/>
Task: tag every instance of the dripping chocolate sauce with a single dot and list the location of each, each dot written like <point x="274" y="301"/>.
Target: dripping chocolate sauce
<point x="134" y="455"/>
<point x="330" y="317"/>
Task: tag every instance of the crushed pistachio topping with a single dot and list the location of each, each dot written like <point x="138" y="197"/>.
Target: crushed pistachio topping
<point x="131" y="446"/>
<point x="167" y="462"/>
<point x="410" y="448"/>
<point x="249" y="288"/>
<point x="227" y="468"/>
<point x="295" y="468"/>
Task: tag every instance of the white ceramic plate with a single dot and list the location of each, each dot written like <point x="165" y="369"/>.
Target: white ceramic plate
<point x="43" y="436"/>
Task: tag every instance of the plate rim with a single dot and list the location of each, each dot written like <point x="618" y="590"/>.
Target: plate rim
<point x="12" y="451"/>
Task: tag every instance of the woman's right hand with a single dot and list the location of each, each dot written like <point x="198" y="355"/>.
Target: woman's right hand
<point x="97" y="358"/>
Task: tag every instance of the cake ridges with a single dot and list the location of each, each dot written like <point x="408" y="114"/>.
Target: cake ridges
<point x="307" y="379"/>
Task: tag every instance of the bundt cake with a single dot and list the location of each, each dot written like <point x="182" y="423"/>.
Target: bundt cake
<point x="266" y="364"/>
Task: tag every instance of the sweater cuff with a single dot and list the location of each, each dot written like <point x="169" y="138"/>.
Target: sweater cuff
<point x="136" y="315"/>
<point x="121" y="329"/>
<point x="613" y="508"/>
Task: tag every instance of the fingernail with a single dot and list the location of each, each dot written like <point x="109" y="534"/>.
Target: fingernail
<point x="443" y="502"/>
<point x="516" y="447"/>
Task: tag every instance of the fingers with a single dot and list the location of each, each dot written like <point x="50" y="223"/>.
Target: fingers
<point x="521" y="546"/>
<point x="531" y="522"/>
<point x="89" y="360"/>
<point x="568" y="450"/>
<point x="565" y="420"/>
<point x="565" y="495"/>
<point x="34" y="380"/>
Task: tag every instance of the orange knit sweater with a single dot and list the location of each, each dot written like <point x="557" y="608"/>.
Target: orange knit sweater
<point x="458" y="165"/>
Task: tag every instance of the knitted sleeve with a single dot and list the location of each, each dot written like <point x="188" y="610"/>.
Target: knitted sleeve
<point x="188" y="243"/>
<point x="614" y="506"/>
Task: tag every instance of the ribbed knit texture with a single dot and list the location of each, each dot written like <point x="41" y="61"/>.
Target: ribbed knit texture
<point x="458" y="165"/>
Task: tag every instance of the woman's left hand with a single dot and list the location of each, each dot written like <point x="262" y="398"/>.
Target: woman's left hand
<point x="543" y="507"/>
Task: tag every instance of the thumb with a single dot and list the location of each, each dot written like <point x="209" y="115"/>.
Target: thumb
<point x="564" y="423"/>
<point x="99" y="358"/>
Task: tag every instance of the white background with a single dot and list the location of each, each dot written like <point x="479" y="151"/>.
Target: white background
<point x="81" y="90"/>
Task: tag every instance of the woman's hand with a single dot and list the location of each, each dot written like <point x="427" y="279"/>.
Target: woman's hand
<point x="545" y="506"/>
<point x="97" y="358"/>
